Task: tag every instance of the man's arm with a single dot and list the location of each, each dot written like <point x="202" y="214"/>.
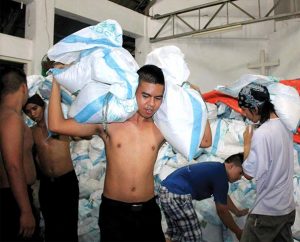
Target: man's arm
<point x="232" y="208"/>
<point x="248" y="133"/>
<point x="227" y="219"/>
<point x="207" y="139"/>
<point x="11" y="147"/>
<point x="58" y="124"/>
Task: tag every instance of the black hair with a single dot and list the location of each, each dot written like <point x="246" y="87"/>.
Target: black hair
<point x="11" y="78"/>
<point x="265" y="111"/>
<point x="35" y="99"/>
<point x="151" y="74"/>
<point x="262" y="95"/>
<point x="236" y="159"/>
<point x="266" y="108"/>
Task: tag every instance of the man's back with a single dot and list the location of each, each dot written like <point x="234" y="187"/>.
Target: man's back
<point x="17" y="168"/>
<point x="8" y="117"/>
<point x="271" y="164"/>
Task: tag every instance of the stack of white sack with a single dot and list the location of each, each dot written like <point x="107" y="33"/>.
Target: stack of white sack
<point x="227" y="138"/>
<point x="227" y="141"/>
<point x="90" y="163"/>
<point x="285" y="99"/>
<point x="104" y="73"/>
<point x="182" y="115"/>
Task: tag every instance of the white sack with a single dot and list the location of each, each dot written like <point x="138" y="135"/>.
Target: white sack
<point x="227" y="137"/>
<point x="182" y="118"/>
<point x="182" y="115"/>
<point x="234" y="88"/>
<point x="171" y="60"/>
<point x="95" y="104"/>
<point x="104" y="73"/>
<point x="74" y="77"/>
<point x="286" y="101"/>
<point x="107" y="34"/>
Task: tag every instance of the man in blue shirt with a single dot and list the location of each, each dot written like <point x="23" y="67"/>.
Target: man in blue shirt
<point x="200" y="181"/>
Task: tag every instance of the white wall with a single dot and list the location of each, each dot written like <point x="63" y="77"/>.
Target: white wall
<point x="40" y="22"/>
<point x="284" y="44"/>
<point x="221" y="58"/>
<point x="99" y="10"/>
<point x="215" y="59"/>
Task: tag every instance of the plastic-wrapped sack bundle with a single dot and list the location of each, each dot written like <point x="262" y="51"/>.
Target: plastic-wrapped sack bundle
<point x="104" y="73"/>
<point x="42" y="86"/>
<point x="285" y="99"/>
<point x="227" y="137"/>
<point x="96" y="104"/>
<point x="171" y="60"/>
<point x="234" y="88"/>
<point x="182" y="115"/>
<point x="182" y="118"/>
<point x="107" y="34"/>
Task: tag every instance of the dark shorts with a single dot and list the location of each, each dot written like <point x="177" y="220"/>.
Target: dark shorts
<point x="10" y="217"/>
<point x="59" y="205"/>
<point x="268" y="228"/>
<point x="120" y="221"/>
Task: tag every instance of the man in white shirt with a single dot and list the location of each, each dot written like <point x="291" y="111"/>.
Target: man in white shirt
<point x="269" y="160"/>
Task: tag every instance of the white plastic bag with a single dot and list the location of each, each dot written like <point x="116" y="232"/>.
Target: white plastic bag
<point x="171" y="60"/>
<point x="104" y="73"/>
<point x="182" y="115"/>
<point x="234" y="88"/>
<point x="95" y="104"/>
<point x="286" y="101"/>
<point x="182" y="118"/>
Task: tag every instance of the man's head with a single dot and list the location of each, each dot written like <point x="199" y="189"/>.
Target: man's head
<point x="34" y="108"/>
<point x="13" y="80"/>
<point x="233" y="165"/>
<point x="150" y="91"/>
<point x="254" y="100"/>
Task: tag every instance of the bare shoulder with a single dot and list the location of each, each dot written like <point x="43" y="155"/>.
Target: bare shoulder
<point x="9" y="118"/>
<point x="11" y="129"/>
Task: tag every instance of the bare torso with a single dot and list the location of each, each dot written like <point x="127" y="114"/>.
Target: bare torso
<point x="131" y="150"/>
<point x="54" y="157"/>
<point x="28" y="164"/>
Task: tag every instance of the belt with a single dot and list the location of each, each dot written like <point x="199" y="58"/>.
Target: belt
<point x="63" y="177"/>
<point x="134" y="207"/>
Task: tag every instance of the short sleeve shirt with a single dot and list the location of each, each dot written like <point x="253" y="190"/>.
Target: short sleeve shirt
<point x="201" y="181"/>
<point x="271" y="163"/>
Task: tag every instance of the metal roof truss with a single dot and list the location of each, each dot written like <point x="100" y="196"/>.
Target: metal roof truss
<point x="207" y="27"/>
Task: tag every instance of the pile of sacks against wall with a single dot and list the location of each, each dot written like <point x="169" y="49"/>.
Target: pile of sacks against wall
<point x="89" y="156"/>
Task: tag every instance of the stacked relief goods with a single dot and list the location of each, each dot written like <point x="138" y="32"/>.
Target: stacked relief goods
<point x="99" y="86"/>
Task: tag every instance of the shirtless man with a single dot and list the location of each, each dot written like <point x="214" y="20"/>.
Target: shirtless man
<point x="17" y="170"/>
<point x="59" y="191"/>
<point x="128" y="211"/>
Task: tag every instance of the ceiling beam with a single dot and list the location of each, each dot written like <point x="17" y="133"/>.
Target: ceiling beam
<point x="206" y="28"/>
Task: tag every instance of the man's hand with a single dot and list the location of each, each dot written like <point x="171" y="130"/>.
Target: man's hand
<point x="242" y="212"/>
<point x="27" y="224"/>
<point x="248" y="133"/>
<point x="238" y="234"/>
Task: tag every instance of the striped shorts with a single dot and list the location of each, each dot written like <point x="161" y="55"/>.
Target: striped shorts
<point x="181" y="217"/>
